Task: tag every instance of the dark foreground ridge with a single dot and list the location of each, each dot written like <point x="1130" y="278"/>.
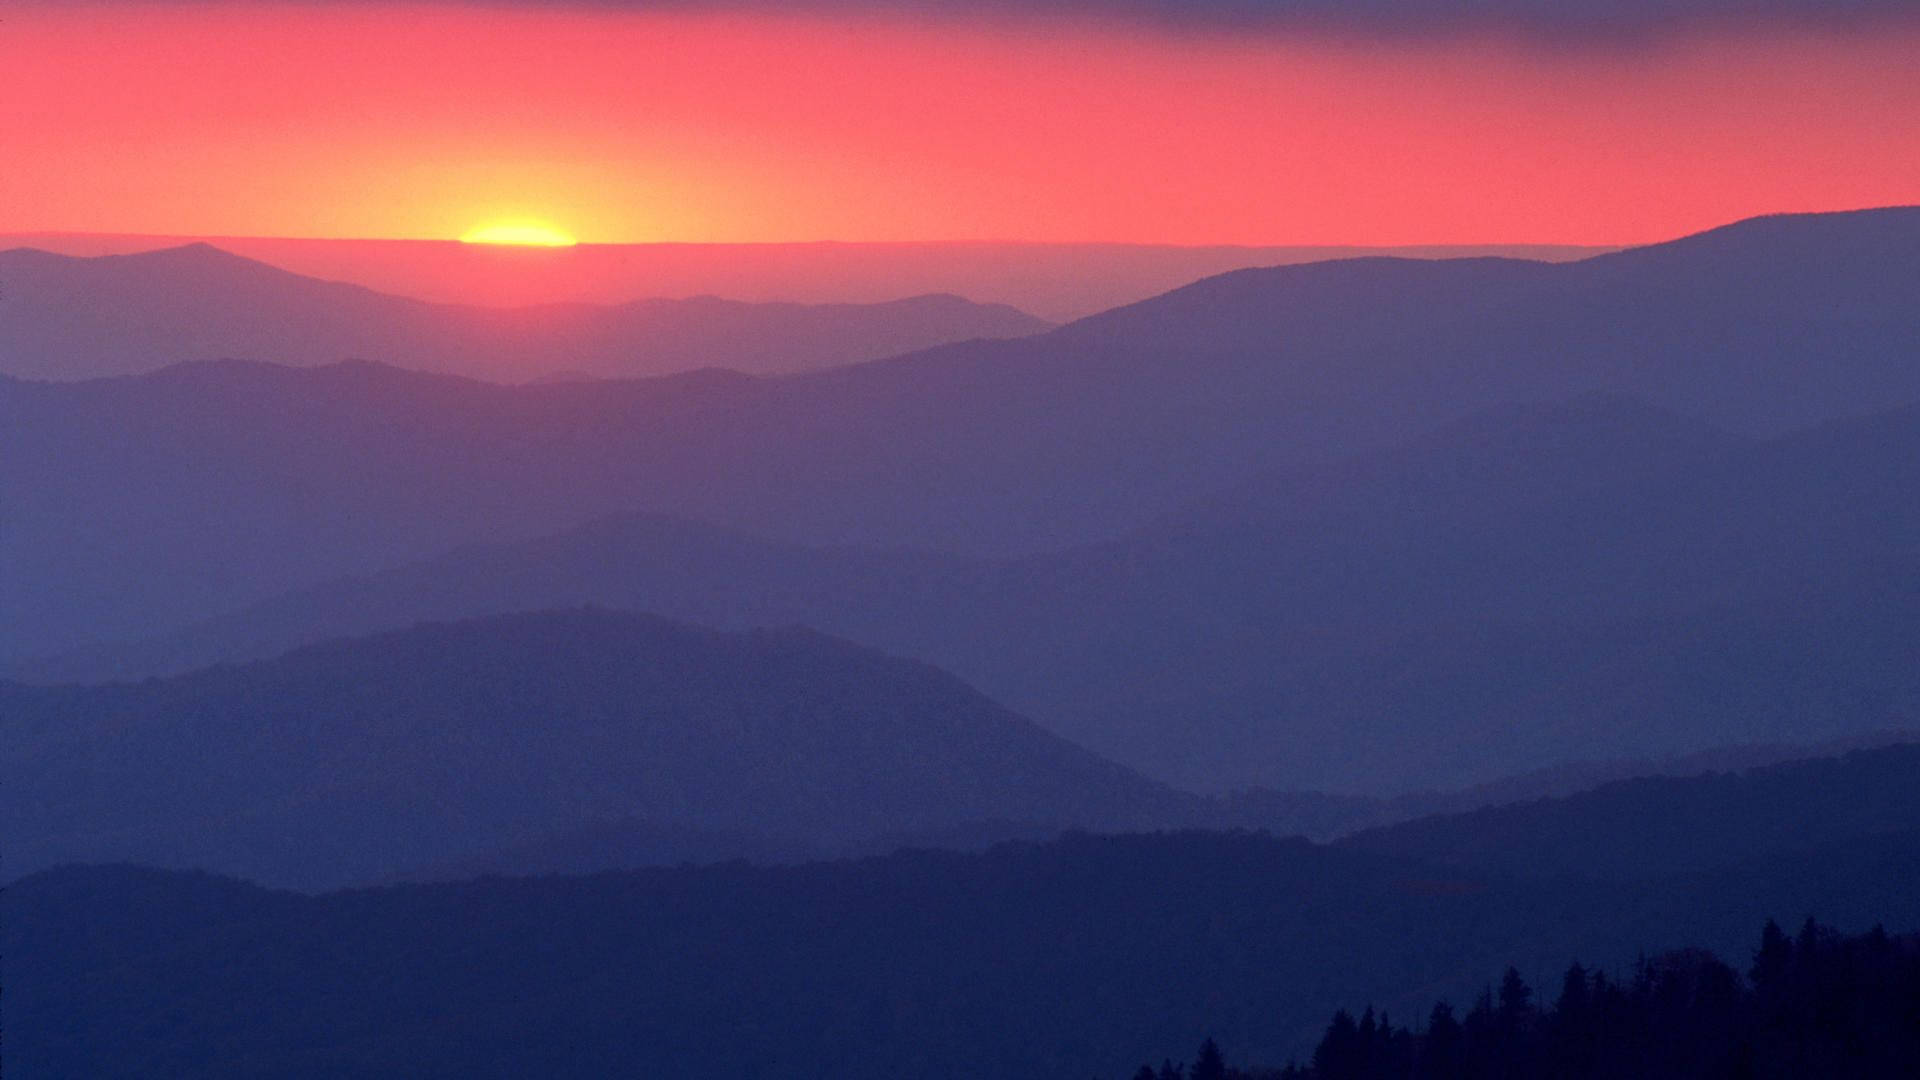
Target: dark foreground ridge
<point x="1076" y="958"/>
<point x="1819" y="1004"/>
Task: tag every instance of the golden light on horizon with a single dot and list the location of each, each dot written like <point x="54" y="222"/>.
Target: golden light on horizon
<point x="519" y="233"/>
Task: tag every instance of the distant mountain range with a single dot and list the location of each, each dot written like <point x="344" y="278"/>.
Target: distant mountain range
<point x="1370" y="525"/>
<point x="586" y="740"/>
<point x="1059" y="281"/>
<point x="362" y="759"/>
<point x="1082" y="956"/>
<point x="1533" y="585"/>
<point x="1324" y="816"/>
<point x="68" y="317"/>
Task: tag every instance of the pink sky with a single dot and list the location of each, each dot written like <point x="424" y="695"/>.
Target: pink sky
<point x="382" y="120"/>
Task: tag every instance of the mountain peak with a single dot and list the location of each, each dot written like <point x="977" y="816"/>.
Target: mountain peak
<point x="198" y="253"/>
<point x="1761" y="243"/>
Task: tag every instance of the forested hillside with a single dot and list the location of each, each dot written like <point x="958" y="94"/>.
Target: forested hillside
<point x="1819" y="1003"/>
<point x="1082" y="957"/>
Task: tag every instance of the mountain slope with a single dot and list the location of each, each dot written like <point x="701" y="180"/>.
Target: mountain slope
<point x="352" y="760"/>
<point x="636" y="562"/>
<point x="143" y="505"/>
<point x="1442" y="615"/>
<point x="1530" y="586"/>
<point x="1661" y="825"/>
<point x="1759" y="326"/>
<point x="1031" y="962"/>
<point x="64" y="317"/>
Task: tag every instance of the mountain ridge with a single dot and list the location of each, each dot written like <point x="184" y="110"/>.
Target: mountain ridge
<point x="349" y="759"/>
<point x="74" y="317"/>
<point x="1599" y="564"/>
<point x="932" y="964"/>
<point x="137" y="509"/>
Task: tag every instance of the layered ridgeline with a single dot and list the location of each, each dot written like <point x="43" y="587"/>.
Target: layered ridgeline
<point x="1078" y="957"/>
<point x="1057" y="281"/>
<point x="141" y="504"/>
<point x="1652" y="825"/>
<point x="69" y="317"/>
<point x="1533" y="585"/>
<point x="362" y="759"/>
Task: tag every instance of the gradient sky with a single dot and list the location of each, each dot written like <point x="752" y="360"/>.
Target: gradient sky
<point x="1212" y="122"/>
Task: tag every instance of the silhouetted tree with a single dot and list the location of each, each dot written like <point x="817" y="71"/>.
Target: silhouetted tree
<point x="1516" y="1001"/>
<point x="1771" y="959"/>
<point x="1443" y="1053"/>
<point x="1339" y="1055"/>
<point x="1208" y="1065"/>
<point x="1575" y="1028"/>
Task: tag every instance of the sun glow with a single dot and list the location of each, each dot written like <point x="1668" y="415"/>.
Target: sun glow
<point x="523" y="233"/>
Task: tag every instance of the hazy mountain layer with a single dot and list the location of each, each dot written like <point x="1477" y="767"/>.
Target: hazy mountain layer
<point x="1663" y="825"/>
<point x="360" y="759"/>
<point x="1054" y="281"/>
<point x="66" y="317"/>
<point x="1534" y="585"/>
<point x="139" y="505"/>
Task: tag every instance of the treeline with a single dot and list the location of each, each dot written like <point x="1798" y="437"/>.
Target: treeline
<point x="1818" y="1003"/>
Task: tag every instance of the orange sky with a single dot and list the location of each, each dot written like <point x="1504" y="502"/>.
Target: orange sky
<point x="391" y="121"/>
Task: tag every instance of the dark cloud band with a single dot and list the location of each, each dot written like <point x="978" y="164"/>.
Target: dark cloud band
<point x="1571" y="21"/>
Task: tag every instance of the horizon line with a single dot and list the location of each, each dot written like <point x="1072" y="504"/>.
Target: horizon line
<point x="1242" y="245"/>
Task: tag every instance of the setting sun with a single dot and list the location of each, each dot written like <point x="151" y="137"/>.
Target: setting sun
<point x="524" y="233"/>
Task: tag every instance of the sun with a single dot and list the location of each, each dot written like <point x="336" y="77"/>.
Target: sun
<point x="522" y="233"/>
